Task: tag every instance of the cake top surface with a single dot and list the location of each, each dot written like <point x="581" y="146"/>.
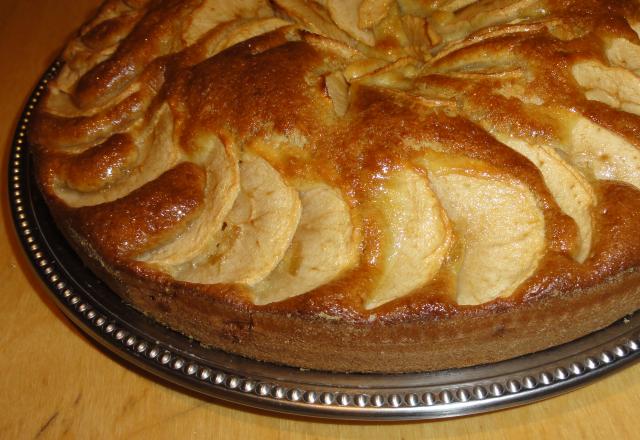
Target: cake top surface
<point x="368" y="159"/>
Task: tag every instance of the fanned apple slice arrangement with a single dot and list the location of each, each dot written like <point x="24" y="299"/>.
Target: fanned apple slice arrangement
<point x="286" y="145"/>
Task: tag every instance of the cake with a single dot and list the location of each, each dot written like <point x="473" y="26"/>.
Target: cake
<point x="354" y="186"/>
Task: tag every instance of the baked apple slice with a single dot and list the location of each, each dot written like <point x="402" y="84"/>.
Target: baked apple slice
<point x="372" y="12"/>
<point x="345" y="13"/>
<point x="228" y="34"/>
<point x="457" y="24"/>
<point x="324" y="246"/>
<point x="603" y="153"/>
<point x="313" y="17"/>
<point x="614" y="86"/>
<point x="338" y="90"/>
<point x="211" y="13"/>
<point x="623" y="53"/>
<point x="256" y="233"/>
<point x="502" y="231"/>
<point x="153" y="154"/>
<point x="222" y="188"/>
<point x="416" y="236"/>
<point x="568" y="186"/>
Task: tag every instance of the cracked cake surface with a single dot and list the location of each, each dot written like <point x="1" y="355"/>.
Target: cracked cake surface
<point x="361" y="185"/>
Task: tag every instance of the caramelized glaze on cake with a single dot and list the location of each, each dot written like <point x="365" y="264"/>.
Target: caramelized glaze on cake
<point x="366" y="185"/>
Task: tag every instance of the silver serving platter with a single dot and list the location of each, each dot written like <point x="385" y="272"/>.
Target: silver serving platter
<point x="102" y="315"/>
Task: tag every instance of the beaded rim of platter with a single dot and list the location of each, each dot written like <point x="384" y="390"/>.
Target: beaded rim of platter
<point x="178" y="359"/>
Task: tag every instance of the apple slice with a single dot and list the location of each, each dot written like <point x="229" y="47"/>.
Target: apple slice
<point x="158" y="152"/>
<point x="136" y="4"/>
<point x="345" y="13"/>
<point x="623" y="53"/>
<point x="471" y="53"/>
<point x="607" y="155"/>
<point x="615" y="86"/>
<point x="212" y="13"/>
<point x="338" y="90"/>
<point x="94" y="45"/>
<point x="64" y="126"/>
<point x="397" y="75"/>
<point x="324" y="246"/>
<point x="257" y="232"/>
<point x="570" y="189"/>
<point x="147" y="44"/>
<point x="78" y="60"/>
<point x="361" y="67"/>
<point x="416" y="30"/>
<point x="230" y="34"/>
<point x="502" y="231"/>
<point x="424" y="8"/>
<point x="479" y="15"/>
<point x="372" y="12"/>
<point x="454" y="5"/>
<point x="495" y="12"/>
<point x="222" y="187"/>
<point x="416" y="236"/>
<point x="314" y="18"/>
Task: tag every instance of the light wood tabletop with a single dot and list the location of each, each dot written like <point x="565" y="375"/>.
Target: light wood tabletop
<point x="56" y="383"/>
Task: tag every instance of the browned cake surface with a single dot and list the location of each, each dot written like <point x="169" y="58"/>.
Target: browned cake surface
<point x="355" y="186"/>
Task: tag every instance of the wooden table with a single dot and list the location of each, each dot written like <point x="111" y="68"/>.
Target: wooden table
<point x="56" y="383"/>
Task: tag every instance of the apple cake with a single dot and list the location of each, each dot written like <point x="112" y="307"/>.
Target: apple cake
<point x="354" y="185"/>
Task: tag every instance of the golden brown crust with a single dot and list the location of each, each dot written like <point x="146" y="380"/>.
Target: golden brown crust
<point x="435" y="339"/>
<point x="99" y="166"/>
<point x="314" y="109"/>
<point x="144" y="217"/>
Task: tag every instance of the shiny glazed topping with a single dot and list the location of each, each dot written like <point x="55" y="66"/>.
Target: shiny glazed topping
<point x="366" y="158"/>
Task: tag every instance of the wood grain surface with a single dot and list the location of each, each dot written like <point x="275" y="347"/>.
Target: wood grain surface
<point x="55" y="383"/>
